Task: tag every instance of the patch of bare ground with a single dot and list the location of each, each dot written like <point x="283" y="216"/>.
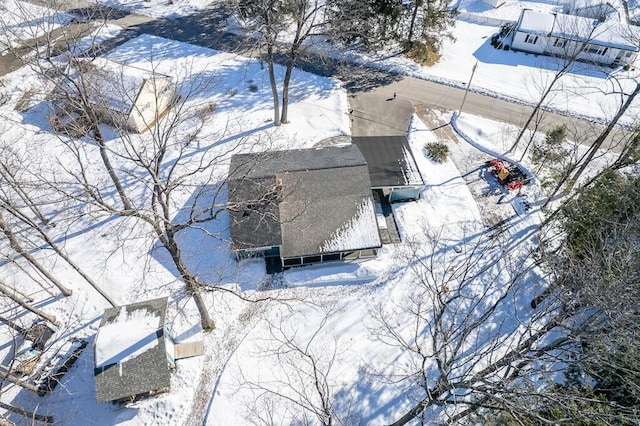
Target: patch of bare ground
<point x="492" y="199"/>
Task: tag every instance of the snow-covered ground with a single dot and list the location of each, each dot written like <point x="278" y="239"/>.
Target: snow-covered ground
<point x="586" y="91"/>
<point x="130" y="268"/>
<point x="330" y="310"/>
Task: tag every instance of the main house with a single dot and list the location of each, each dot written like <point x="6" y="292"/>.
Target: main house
<point x="125" y="95"/>
<point x="608" y="42"/>
<point x="134" y="352"/>
<point x="302" y="206"/>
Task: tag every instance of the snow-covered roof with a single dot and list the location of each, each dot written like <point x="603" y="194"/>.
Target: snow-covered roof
<point x="131" y="334"/>
<point x="116" y="85"/>
<point x="608" y="33"/>
<point x="611" y="32"/>
<point x="535" y="22"/>
<point x="601" y="4"/>
<point x="130" y="351"/>
<point x="320" y="201"/>
<point x="327" y="211"/>
<point x="361" y="231"/>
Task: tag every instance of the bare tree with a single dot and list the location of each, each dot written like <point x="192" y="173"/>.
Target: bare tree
<point x="301" y="386"/>
<point x="466" y="336"/>
<point x="137" y="176"/>
<point x="565" y="56"/>
<point x="26" y="225"/>
<point x="282" y="25"/>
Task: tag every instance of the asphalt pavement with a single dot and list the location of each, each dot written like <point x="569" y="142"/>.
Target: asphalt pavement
<point x="371" y="91"/>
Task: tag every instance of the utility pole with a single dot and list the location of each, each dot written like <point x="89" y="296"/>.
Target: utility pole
<point x="466" y="90"/>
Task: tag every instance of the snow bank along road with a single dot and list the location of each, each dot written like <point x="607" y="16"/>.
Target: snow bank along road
<point x="207" y="28"/>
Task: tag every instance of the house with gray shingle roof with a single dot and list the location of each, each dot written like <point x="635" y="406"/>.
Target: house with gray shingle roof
<point x="302" y="206"/>
<point x="134" y="352"/>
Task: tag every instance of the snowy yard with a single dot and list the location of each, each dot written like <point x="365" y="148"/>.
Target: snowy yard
<point x="330" y="313"/>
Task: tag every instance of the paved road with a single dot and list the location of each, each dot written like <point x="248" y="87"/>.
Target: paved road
<point x="369" y="89"/>
<point x="442" y="97"/>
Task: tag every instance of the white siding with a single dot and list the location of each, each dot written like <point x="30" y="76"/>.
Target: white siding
<point x="153" y="99"/>
<point x="523" y="41"/>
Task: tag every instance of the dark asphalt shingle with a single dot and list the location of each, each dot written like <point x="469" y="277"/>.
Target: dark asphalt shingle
<point x="295" y="199"/>
<point x="387" y="157"/>
<point x="147" y="372"/>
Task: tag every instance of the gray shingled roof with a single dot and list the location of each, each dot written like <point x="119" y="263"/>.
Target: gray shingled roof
<point x="147" y="372"/>
<point x="270" y="163"/>
<point x="390" y="160"/>
<point x="313" y="193"/>
<point x="254" y="217"/>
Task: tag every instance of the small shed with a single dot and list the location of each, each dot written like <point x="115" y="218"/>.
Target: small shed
<point x="126" y="95"/>
<point x="302" y="206"/>
<point x="392" y="167"/>
<point x="133" y="352"/>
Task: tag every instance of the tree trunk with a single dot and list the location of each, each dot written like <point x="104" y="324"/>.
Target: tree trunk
<point x="414" y="15"/>
<point x="60" y="252"/>
<point x="191" y="283"/>
<point x="13" y="325"/>
<point x="76" y="268"/>
<point x="23" y="195"/>
<point x="274" y="85"/>
<point x="38" y="312"/>
<point x="285" y="85"/>
<point x="15" y="245"/>
<point x="28" y="414"/>
<point x="586" y="159"/>
<point x="533" y="114"/>
<point x="205" y="319"/>
<point x="17" y="381"/>
<point x="97" y="137"/>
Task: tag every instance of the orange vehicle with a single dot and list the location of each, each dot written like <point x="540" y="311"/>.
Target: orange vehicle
<point x="509" y="175"/>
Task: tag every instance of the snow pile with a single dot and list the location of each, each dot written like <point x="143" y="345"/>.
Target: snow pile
<point x="361" y="231"/>
<point x="506" y="10"/>
<point x="131" y="334"/>
<point x="335" y="273"/>
<point x="411" y="173"/>
<point x="447" y="198"/>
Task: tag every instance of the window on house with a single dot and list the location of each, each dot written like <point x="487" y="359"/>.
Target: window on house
<point x="559" y="42"/>
<point x="292" y="262"/>
<point x="596" y="50"/>
<point x="311" y="259"/>
<point x="531" y="39"/>
<point x="328" y="257"/>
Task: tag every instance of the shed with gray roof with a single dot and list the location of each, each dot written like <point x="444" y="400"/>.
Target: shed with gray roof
<point x="302" y="206"/>
<point x="133" y="352"/>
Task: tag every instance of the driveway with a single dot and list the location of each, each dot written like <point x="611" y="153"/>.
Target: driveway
<point x="379" y="113"/>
